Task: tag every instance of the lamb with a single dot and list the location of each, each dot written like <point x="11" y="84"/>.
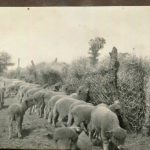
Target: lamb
<point x="16" y="113"/>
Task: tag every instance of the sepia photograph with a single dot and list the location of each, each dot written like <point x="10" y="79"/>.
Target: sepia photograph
<point x="75" y="78"/>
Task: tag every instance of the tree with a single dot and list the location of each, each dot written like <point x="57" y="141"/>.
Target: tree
<point x="5" y="61"/>
<point x="95" y="45"/>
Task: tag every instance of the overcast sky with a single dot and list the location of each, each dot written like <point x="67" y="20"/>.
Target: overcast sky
<point x="44" y="33"/>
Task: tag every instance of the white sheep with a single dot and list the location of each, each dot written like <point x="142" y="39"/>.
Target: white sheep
<point x="16" y="113"/>
<point x="61" y="109"/>
<point x="71" y="138"/>
<point x="81" y="115"/>
<point x="51" y="104"/>
<point x="106" y="123"/>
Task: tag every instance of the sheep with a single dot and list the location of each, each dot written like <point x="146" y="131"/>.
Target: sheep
<point x="117" y="109"/>
<point x="83" y="93"/>
<point x="65" y="138"/>
<point x="71" y="138"/>
<point x="74" y="95"/>
<point x="16" y="113"/>
<point x="106" y="123"/>
<point x="23" y="90"/>
<point x="13" y="88"/>
<point x="48" y="94"/>
<point x="61" y="109"/>
<point x="29" y="93"/>
<point x="20" y="91"/>
<point x="2" y="90"/>
<point x="81" y="115"/>
<point x="44" y="96"/>
<point x="84" y="142"/>
<point x="39" y="98"/>
<point x="51" y="104"/>
<point x="70" y="119"/>
<point x="26" y="88"/>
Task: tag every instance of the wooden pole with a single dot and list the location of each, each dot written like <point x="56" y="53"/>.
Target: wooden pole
<point x="113" y="70"/>
<point x="18" y="69"/>
<point x="34" y="68"/>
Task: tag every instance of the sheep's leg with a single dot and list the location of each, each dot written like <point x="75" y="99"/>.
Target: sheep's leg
<point x="45" y="112"/>
<point x="55" y="117"/>
<point x="0" y="105"/>
<point x="70" y="120"/>
<point x="76" y="122"/>
<point x="19" y="126"/>
<point x="37" y="110"/>
<point x="105" y="141"/>
<point x="10" y="127"/>
<point x="91" y="134"/>
<point x="42" y="110"/>
<point x="21" y="120"/>
<point x="33" y="109"/>
<point x="60" y="119"/>
<point x="30" y="110"/>
<point x="84" y="127"/>
<point x="50" y="115"/>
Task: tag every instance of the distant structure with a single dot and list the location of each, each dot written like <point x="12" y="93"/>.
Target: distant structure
<point x="18" y="68"/>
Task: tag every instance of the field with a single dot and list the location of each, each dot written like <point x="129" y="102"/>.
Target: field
<point x="35" y="130"/>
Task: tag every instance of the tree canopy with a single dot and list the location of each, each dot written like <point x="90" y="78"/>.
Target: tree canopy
<point x="95" y="45"/>
<point x="5" y="61"/>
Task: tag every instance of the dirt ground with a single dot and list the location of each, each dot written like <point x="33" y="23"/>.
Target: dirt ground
<point x="35" y="130"/>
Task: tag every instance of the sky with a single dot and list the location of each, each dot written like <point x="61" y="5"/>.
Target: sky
<point x="44" y="33"/>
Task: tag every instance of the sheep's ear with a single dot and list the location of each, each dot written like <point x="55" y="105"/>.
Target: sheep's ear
<point x="109" y="133"/>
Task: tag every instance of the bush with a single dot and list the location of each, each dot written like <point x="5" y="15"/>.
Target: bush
<point x="131" y="85"/>
<point x="76" y="72"/>
<point x="133" y="75"/>
<point x="131" y="92"/>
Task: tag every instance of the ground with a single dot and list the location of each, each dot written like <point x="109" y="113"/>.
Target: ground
<point x="35" y="130"/>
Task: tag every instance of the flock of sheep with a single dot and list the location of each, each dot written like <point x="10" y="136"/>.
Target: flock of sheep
<point x="71" y="115"/>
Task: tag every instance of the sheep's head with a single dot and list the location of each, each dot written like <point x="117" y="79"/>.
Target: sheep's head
<point x="65" y="138"/>
<point x="117" y="136"/>
<point x="83" y="93"/>
<point x="30" y="101"/>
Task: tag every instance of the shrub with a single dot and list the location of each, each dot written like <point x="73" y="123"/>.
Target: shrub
<point x="131" y="92"/>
